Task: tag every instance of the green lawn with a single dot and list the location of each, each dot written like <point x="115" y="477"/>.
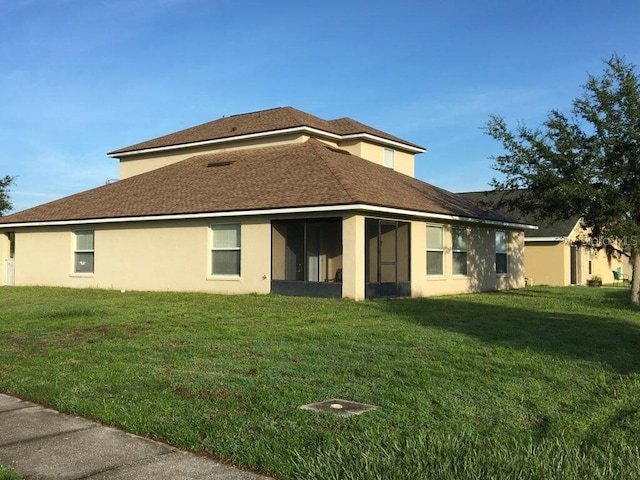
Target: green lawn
<point x="539" y="383"/>
<point x="7" y="473"/>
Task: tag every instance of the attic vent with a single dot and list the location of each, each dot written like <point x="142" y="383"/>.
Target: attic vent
<point x="338" y="150"/>
<point x="219" y="164"/>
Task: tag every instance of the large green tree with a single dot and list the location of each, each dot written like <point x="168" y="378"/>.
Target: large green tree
<point x="586" y="163"/>
<point x="5" y="202"/>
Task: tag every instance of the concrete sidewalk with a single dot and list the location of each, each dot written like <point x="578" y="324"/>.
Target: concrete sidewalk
<point x="40" y="443"/>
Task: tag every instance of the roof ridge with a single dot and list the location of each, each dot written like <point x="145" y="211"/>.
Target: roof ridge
<point x="316" y="144"/>
<point x="274" y="120"/>
<point x="253" y="113"/>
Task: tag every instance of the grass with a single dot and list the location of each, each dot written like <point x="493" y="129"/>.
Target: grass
<point x="540" y="383"/>
<point x="7" y="473"/>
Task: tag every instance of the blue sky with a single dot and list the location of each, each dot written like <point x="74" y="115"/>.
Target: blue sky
<point x="79" y="78"/>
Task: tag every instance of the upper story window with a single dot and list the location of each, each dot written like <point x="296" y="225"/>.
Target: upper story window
<point x="435" y="250"/>
<point x="459" y="251"/>
<point x="84" y="252"/>
<point x="389" y="159"/>
<point x="225" y="249"/>
<point x="501" y="253"/>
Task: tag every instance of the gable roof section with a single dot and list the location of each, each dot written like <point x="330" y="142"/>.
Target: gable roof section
<point x="262" y="122"/>
<point x="546" y="229"/>
<point x="301" y="175"/>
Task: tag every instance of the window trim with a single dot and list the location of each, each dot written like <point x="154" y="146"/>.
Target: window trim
<point x="505" y="253"/>
<point x="454" y="251"/>
<point x="392" y="164"/>
<point x="441" y="250"/>
<point x="77" y="250"/>
<point x="213" y="249"/>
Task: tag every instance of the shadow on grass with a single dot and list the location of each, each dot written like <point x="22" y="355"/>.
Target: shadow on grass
<point x="582" y="334"/>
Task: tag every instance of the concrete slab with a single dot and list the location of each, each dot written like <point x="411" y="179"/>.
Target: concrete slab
<point x="75" y="455"/>
<point x="11" y="403"/>
<point x="44" y="444"/>
<point x="32" y="422"/>
<point x="178" y="465"/>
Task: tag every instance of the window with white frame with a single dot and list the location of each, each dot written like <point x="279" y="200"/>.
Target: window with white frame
<point x="501" y="253"/>
<point x="435" y="250"/>
<point x="389" y="159"/>
<point x="459" y="251"/>
<point x="84" y="252"/>
<point x="225" y="249"/>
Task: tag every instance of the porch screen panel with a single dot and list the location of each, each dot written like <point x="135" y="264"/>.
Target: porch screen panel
<point x="371" y="232"/>
<point x="331" y="249"/>
<point x="314" y="267"/>
<point x="278" y="247"/>
<point x="388" y="253"/>
<point x="306" y="251"/>
<point x="294" y="254"/>
<point x="404" y="245"/>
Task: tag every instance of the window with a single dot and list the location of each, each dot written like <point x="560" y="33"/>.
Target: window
<point x="435" y="250"/>
<point x="225" y="250"/>
<point x="501" y="253"/>
<point x="83" y="255"/>
<point x="389" y="159"/>
<point x="459" y="251"/>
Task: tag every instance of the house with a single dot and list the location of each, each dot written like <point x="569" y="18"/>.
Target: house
<point x="271" y="201"/>
<point x="559" y="253"/>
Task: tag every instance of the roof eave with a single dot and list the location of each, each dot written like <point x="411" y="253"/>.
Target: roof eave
<point x="545" y="239"/>
<point x="276" y="211"/>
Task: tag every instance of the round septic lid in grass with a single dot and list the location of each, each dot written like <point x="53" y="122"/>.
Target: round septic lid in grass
<point x="339" y="406"/>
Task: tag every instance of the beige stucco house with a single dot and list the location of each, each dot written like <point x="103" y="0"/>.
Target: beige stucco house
<point x="272" y="201"/>
<point x="560" y="253"/>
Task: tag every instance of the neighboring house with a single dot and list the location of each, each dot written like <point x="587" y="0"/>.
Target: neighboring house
<point x="271" y="201"/>
<point x="559" y="253"/>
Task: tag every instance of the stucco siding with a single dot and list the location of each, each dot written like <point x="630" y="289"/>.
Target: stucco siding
<point x="151" y="256"/>
<point x="481" y="268"/>
<point x="603" y="266"/>
<point x="176" y="255"/>
<point x="547" y="263"/>
<point x="404" y="162"/>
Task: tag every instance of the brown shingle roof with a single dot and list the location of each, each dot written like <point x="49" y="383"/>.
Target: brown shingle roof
<point x="259" y="122"/>
<point x="546" y="228"/>
<point x="297" y="175"/>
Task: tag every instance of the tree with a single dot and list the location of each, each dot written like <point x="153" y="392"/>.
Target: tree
<point x="585" y="164"/>
<point x="5" y="203"/>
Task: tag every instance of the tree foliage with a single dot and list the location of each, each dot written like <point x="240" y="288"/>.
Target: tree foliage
<point x="5" y="202"/>
<point x="586" y="163"/>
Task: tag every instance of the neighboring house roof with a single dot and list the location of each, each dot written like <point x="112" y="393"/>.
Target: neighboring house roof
<point x="309" y="174"/>
<point x="559" y="229"/>
<point x="273" y="120"/>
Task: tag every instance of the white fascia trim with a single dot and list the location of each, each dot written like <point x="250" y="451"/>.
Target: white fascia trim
<point x="545" y="239"/>
<point x="575" y="227"/>
<point x="384" y="141"/>
<point x="275" y="211"/>
<point x="440" y="216"/>
<point x="285" y="131"/>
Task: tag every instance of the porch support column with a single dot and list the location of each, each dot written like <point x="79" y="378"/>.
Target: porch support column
<point x="353" y="257"/>
<point x="419" y="286"/>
